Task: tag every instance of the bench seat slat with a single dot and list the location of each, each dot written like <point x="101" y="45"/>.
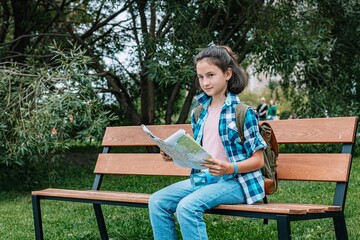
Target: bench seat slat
<point x="142" y="198"/>
<point x="283" y="208"/>
<point x="95" y="195"/>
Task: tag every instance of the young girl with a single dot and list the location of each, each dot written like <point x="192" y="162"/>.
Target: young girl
<point x="221" y="79"/>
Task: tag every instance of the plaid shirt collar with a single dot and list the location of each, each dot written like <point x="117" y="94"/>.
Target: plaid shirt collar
<point x="205" y="100"/>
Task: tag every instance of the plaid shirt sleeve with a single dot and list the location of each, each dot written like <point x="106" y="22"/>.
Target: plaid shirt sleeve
<point x="252" y="182"/>
<point x="253" y="140"/>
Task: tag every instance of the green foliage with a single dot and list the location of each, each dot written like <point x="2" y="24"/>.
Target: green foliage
<point x="143" y="49"/>
<point x="43" y="109"/>
<point x="314" y="46"/>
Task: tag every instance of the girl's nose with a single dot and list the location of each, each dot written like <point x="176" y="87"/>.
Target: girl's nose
<point x="205" y="81"/>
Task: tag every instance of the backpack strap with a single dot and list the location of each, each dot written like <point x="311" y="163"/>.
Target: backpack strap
<point x="240" y="113"/>
<point x="197" y="112"/>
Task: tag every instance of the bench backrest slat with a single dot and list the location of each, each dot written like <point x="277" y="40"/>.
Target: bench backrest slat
<point x="314" y="167"/>
<point x="137" y="164"/>
<point x="299" y="131"/>
<point x="315" y="130"/>
<point x="311" y="167"/>
<point x="135" y="135"/>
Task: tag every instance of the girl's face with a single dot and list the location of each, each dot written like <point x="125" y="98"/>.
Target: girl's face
<point x="212" y="80"/>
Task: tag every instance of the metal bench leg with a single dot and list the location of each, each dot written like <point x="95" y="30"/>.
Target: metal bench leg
<point x="37" y="218"/>
<point x="283" y="227"/>
<point x="340" y="227"/>
<point x="265" y="200"/>
<point x="101" y="222"/>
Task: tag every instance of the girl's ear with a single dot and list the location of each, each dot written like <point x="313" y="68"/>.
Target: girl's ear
<point x="228" y="73"/>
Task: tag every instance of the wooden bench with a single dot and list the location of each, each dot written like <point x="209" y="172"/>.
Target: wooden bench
<point x="324" y="167"/>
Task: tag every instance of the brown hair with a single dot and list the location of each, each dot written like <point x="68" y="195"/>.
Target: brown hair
<point x="224" y="58"/>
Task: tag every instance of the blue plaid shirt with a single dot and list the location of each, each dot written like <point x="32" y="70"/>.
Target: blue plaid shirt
<point x="252" y="183"/>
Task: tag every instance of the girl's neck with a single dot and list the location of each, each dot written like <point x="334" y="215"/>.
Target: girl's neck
<point x="217" y="101"/>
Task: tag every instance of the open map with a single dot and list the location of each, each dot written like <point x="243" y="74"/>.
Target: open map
<point x="182" y="148"/>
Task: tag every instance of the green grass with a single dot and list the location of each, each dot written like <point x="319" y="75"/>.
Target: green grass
<point x="66" y="220"/>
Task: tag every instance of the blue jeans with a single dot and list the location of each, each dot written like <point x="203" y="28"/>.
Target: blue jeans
<point x="189" y="205"/>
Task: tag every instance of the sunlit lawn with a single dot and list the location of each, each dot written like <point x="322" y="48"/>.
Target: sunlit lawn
<point x="66" y="220"/>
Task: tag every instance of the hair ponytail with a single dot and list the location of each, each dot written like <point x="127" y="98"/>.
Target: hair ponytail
<point x="231" y="53"/>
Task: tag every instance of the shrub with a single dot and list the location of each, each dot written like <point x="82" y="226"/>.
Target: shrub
<point x="44" y="107"/>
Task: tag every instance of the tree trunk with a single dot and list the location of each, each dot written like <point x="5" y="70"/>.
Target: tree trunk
<point x="21" y="18"/>
<point x="187" y="104"/>
<point x="171" y="102"/>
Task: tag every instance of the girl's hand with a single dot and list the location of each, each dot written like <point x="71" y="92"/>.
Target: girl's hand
<point x="165" y="157"/>
<point x="217" y="167"/>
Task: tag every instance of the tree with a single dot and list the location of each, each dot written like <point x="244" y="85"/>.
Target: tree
<point x="314" y="46"/>
<point x="141" y="51"/>
<point x="155" y="84"/>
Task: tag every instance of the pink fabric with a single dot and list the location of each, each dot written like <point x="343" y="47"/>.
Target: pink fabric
<point x="211" y="139"/>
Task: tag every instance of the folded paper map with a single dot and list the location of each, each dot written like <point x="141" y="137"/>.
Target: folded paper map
<point x="182" y="148"/>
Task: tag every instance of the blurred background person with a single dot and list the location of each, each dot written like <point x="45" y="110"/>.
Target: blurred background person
<point x="271" y="111"/>
<point x="262" y="109"/>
